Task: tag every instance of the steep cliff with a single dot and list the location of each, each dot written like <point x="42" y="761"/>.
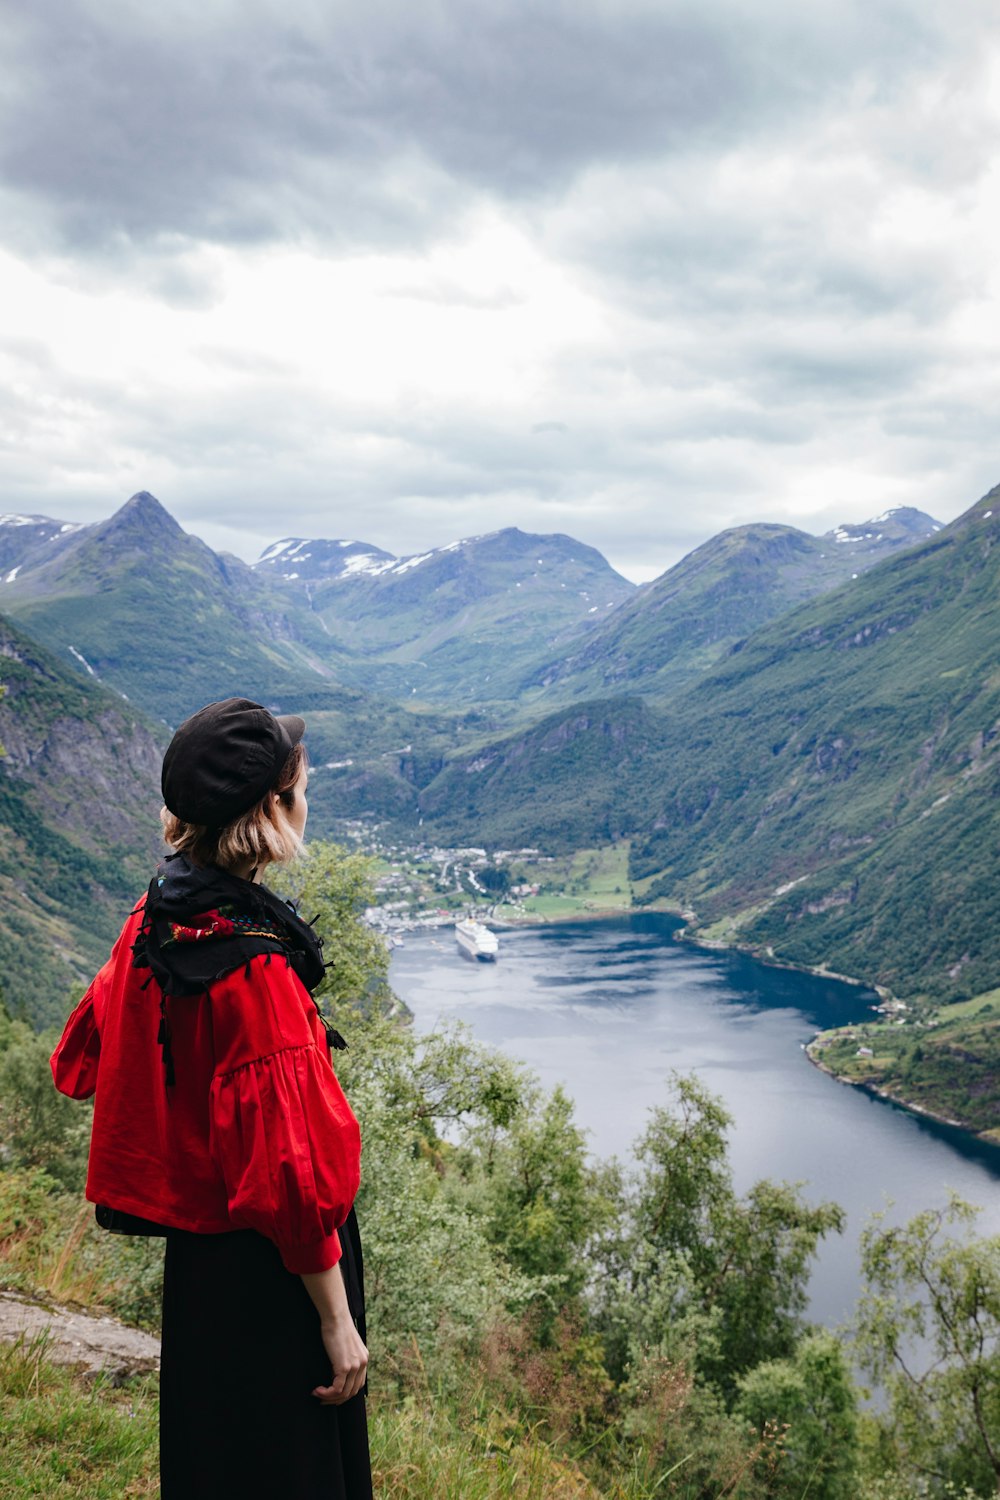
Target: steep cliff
<point x="79" y="797"/>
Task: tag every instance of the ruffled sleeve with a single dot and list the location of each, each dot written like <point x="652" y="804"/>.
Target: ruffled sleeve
<point x="281" y="1131"/>
<point x="74" y="1062"/>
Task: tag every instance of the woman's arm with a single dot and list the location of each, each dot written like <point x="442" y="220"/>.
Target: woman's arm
<point x="341" y="1340"/>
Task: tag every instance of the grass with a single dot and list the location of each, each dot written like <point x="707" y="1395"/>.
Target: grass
<point x="727" y="928"/>
<point x="580" y="884"/>
<point x="947" y="1063"/>
<point x="66" y="1437"/>
<point x="551" y="904"/>
<point x="50" y="1246"/>
<point x="963" y="1008"/>
<point x="417" y="1454"/>
<point x="62" y="1435"/>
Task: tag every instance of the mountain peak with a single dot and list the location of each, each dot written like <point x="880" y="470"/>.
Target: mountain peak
<point x="902" y="525"/>
<point x="146" y="505"/>
<point x="141" y="518"/>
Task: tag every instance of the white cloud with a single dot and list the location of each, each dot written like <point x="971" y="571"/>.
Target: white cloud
<point x="668" y="276"/>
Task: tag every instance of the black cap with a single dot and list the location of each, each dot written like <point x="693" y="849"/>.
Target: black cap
<point x="224" y="758"/>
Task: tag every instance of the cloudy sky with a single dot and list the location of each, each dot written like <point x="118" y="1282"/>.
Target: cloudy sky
<point x="632" y="269"/>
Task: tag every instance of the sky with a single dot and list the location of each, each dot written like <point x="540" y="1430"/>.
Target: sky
<point x="633" y="271"/>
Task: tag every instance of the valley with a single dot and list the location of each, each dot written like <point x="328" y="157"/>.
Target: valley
<point x="792" y="739"/>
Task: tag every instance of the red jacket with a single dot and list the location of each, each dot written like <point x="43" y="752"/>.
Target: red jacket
<point x="256" y="1132"/>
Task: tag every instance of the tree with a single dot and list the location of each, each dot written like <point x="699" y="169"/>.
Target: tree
<point x="541" y="1200"/>
<point x="337" y="885"/>
<point x="432" y="1274"/>
<point x="810" y="1399"/>
<point x="726" y="1276"/>
<point x="38" y="1126"/>
<point x="929" y="1333"/>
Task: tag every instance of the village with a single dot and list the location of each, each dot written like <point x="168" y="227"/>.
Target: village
<point x="424" y="886"/>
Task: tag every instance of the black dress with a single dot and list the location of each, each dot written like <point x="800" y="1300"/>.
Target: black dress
<point x="241" y="1353"/>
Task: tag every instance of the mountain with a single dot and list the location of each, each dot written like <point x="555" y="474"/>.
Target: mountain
<point x="28" y="537"/>
<point x="296" y="557"/>
<point x="674" y="628"/>
<point x="832" y="785"/>
<point x="137" y="602"/>
<point x="79" y="804"/>
<point x="507" y="617"/>
<point x="841" y="790"/>
<point x="456" y="624"/>
<point x="80" y="800"/>
<point x="902" y="526"/>
<point x="580" y="776"/>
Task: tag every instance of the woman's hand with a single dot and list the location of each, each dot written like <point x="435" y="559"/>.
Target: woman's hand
<point x="349" y="1359"/>
<point x="341" y="1340"/>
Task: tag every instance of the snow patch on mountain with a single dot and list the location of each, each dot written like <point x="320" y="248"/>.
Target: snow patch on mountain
<point x="275" y="550"/>
<point x="411" y="562"/>
<point x="367" y="562"/>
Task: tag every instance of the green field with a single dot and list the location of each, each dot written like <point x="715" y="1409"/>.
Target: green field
<point x="576" y="885"/>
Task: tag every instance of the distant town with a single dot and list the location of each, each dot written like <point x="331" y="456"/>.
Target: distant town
<point x="422" y="886"/>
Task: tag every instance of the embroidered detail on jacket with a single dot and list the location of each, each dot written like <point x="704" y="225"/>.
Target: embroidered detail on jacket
<point x="222" y="922"/>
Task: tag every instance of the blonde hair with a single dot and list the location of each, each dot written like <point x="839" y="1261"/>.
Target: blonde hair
<point x="262" y="835"/>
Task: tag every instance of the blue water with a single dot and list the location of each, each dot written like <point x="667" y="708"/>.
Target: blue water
<point x="611" y="1008"/>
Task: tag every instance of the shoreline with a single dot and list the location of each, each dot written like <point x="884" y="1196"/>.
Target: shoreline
<point x="812" y="1053"/>
<point x="884" y="995"/>
<point x="765" y="956"/>
<point x="890" y="1098"/>
<point x="683" y="934"/>
<point x="710" y="945"/>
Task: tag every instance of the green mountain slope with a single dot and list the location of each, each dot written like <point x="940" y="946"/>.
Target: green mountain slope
<point x="464" y="623"/>
<point x="673" y="629"/>
<point x="851" y="748"/>
<point x="79" y="804"/>
<point x="578" y="778"/>
<point x="156" y="614"/>
<point x="834" y="782"/>
<point x="80" y="799"/>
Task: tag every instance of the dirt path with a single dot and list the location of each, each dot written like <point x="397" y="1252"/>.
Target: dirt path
<point x="74" y="1338"/>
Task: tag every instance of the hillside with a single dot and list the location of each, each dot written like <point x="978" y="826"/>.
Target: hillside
<point x="851" y="748"/>
<point x="143" y="606"/>
<point x="79" y="798"/>
<point x="945" y="1060"/>
<point x="833" y="784"/>
<point x="674" y="628"/>
<point x="580" y="777"/>
<point x="156" y="614"/>
<point x="464" y="623"/>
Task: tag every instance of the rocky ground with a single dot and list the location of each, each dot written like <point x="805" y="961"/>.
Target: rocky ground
<point x="96" y="1345"/>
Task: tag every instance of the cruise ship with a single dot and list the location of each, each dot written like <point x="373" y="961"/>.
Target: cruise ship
<point x="477" y="941"/>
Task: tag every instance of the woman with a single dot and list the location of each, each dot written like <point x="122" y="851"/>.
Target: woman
<point x="219" y="1121"/>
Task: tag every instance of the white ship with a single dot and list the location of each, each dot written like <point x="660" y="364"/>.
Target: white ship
<point x="476" y="941"/>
